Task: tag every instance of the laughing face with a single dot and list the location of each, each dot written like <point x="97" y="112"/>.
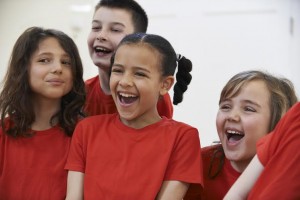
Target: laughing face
<point x="109" y="27"/>
<point x="136" y="84"/>
<point x="242" y="120"/>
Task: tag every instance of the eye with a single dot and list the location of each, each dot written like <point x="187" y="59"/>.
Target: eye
<point x="249" y="109"/>
<point x="66" y="62"/>
<point x="96" y="28"/>
<point x="116" y="70"/>
<point x="224" y="107"/>
<point x="116" y="30"/>
<point x="141" y="74"/>
<point x="44" y="60"/>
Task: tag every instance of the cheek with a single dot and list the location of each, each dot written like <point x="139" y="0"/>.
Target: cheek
<point x="112" y="82"/>
<point x="90" y="40"/>
<point x="220" y="120"/>
<point x="257" y="127"/>
<point x="69" y="79"/>
<point x="33" y="76"/>
<point x="117" y="39"/>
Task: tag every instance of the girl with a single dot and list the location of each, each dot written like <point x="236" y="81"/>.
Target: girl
<point x="276" y="165"/>
<point x="136" y="154"/>
<point x="251" y="104"/>
<point x="41" y="101"/>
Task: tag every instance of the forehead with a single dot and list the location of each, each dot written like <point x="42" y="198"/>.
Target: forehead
<point x="255" y="88"/>
<point x="137" y="54"/>
<point x="113" y="15"/>
<point x="48" y="44"/>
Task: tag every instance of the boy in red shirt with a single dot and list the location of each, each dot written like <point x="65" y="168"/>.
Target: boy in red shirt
<point x="113" y="20"/>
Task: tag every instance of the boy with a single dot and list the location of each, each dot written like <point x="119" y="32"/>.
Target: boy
<point x="113" y="20"/>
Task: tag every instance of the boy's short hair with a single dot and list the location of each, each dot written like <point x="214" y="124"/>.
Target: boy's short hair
<point x="138" y="14"/>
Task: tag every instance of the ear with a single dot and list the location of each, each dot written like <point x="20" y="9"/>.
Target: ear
<point x="167" y="83"/>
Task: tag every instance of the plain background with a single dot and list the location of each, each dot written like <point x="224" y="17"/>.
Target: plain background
<point x="221" y="37"/>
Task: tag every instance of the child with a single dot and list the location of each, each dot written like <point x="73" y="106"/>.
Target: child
<point x="137" y="154"/>
<point x="276" y="165"/>
<point x="251" y="104"/>
<point x="113" y="20"/>
<point x="40" y="103"/>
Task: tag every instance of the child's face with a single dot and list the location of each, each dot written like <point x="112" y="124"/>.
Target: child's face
<point x="50" y="73"/>
<point x="242" y="120"/>
<point x="136" y="84"/>
<point x="109" y="27"/>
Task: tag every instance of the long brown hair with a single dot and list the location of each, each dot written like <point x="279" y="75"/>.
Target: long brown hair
<point x="15" y="101"/>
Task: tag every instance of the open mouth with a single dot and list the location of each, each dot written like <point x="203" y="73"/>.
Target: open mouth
<point x="102" y="50"/>
<point x="234" y="136"/>
<point x="126" y="99"/>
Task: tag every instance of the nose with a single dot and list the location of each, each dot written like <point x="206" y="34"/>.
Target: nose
<point x="102" y="35"/>
<point x="126" y="80"/>
<point x="57" y="67"/>
<point x="233" y="116"/>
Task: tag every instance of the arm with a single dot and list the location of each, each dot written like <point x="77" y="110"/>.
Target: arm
<point x="245" y="182"/>
<point x="172" y="190"/>
<point x="75" y="186"/>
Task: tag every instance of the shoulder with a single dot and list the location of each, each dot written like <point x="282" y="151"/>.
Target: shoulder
<point x="94" y="125"/>
<point x="92" y="81"/>
<point x="209" y="151"/>
<point x="92" y="84"/>
<point x="97" y="120"/>
<point x="7" y="123"/>
<point x="179" y="133"/>
<point x="177" y="125"/>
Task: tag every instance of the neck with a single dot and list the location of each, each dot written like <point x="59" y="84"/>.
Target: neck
<point x="44" y="109"/>
<point x="141" y="122"/>
<point x="240" y="166"/>
<point x="104" y="81"/>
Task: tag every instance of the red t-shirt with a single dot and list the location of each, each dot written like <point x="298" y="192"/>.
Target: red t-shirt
<point x="120" y="162"/>
<point x="217" y="187"/>
<point x="33" y="168"/>
<point x="98" y="103"/>
<point x="280" y="154"/>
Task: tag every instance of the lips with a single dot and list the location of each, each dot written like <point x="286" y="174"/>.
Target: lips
<point x="55" y="81"/>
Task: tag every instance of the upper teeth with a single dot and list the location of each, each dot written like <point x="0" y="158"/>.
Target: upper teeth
<point x="234" y="132"/>
<point x="127" y="95"/>
<point x="101" y="49"/>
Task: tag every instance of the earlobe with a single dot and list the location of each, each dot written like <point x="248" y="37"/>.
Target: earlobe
<point x="166" y="84"/>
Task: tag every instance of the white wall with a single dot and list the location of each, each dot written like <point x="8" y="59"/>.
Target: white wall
<point x="221" y="37"/>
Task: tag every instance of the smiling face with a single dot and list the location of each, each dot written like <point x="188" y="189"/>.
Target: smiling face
<point x="242" y="120"/>
<point x="50" y="75"/>
<point x="109" y="27"/>
<point x="136" y="84"/>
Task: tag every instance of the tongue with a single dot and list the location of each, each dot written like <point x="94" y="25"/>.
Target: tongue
<point x="128" y="100"/>
<point x="235" y="138"/>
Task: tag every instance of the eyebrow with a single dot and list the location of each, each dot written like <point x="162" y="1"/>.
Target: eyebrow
<point x="113" y="23"/>
<point x="46" y="53"/>
<point x="134" y="67"/>
<point x="244" y="101"/>
<point x="252" y="102"/>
